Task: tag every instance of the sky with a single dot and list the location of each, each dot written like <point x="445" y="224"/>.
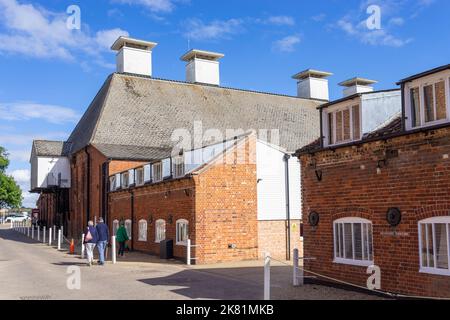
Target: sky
<point x="51" y="71"/>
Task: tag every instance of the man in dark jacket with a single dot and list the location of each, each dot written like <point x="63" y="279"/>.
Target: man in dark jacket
<point x="103" y="236"/>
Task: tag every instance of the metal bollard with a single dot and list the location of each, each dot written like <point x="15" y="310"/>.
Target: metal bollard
<point x="82" y="246"/>
<point x="28" y="232"/>
<point x="44" y="232"/>
<point x="50" y="236"/>
<point x="113" y="249"/>
<point x="59" y="239"/>
<point x="188" y="253"/>
<point x="267" y="276"/>
<point x="39" y="233"/>
<point x="295" y="268"/>
<point x="54" y="232"/>
<point x="32" y="232"/>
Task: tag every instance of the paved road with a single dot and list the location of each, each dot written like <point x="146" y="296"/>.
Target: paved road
<point x="31" y="270"/>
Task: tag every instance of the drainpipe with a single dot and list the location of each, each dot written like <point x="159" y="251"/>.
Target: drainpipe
<point x="132" y="217"/>
<point x="321" y="128"/>
<point x="88" y="187"/>
<point x="288" y="208"/>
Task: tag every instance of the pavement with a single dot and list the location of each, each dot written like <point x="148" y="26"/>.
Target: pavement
<point x="36" y="271"/>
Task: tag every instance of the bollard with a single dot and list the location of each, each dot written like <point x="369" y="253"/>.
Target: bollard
<point x="39" y="233"/>
<point x="113" y="249"/>
<point x="82" y="246"/>
<point x="267" y="276"/>
<point x="59" y="239"/>
<point x="50" y="236"/>
<point x="188" y="253"/>
<point x="28" y="232"/>
<point x="32" y="231"/>
<point x="44" y="232"/>
<point x="54" y="232"/>
<point x="295" y="268"/>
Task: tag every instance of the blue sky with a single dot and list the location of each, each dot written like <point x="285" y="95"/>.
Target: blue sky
<point x="49" y="74"/>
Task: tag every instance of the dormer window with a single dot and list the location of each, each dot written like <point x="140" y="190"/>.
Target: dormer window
<point x="139" y="176"/>
<point x="344" y="125"/>
<point x="157" y="172"/>
<point x="125" y="180"/>
<point x="178" y="166"/>
<point x="427" y="101"/>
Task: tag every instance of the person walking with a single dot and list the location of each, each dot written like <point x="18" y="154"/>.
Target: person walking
<point x="90" y="239"/>
<point x="121" y="237"/>
<point x="103" y="236"/>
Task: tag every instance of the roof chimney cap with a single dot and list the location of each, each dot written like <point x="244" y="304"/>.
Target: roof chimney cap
<point x="357" y="82"/>
<point x="201" y="54"/>
<point x="311" y="73"/>
<point x="133" y="43"/>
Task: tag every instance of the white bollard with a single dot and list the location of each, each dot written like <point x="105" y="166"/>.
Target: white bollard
<point x="82" y="246"/>
<point x="113" y="249"/>
<point x="188" y="253"/>
<point x="39" y="233"/>
<point x="267" y="276"/>
<point x="295" y="268"/>
<point x="32" y="231"/>
<point x="28" y="232"/>
<point x="54" y="232"/>
<point x="44" y="232"/>
<point x="50" y="236"/>
<point x="59" y="239"/>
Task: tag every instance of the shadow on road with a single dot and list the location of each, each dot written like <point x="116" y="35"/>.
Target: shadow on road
<point x="12" y="235"/>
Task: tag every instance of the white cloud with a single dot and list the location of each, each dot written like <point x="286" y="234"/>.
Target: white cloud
<point x="281" y="20"/>
<point x="27" y="139"/>
<point x="152" y="5"/>
<point x="218" y="29"/>
<point x="21" y="175"/>
<point x="287" y="44"/>
<point x="36" y="32"/>
<point x="319" y="17"/>
<point x="29" y="111"/>
<point x="19" y="155"/>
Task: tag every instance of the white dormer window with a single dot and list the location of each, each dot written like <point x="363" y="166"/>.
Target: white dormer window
<point x="427" y="101"/>
<point x="157" y="172"/>
<point x="178" y="166"/>
<point x="139" y="176"/>
<point x="344" y="125"/>
<point x="125" y="183"/>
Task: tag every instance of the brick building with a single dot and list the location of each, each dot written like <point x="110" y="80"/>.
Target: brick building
<point x="382" y="196"/>
<point x="138" y="124"/>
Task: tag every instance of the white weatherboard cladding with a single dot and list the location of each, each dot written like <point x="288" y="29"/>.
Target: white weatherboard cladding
<point x="203" y="71"/>
<point x="313" y="88"/>
<point x="45" y="172"/>
<point x="137" y="61"/>
<point x="377" y="108"/>
<point x="271" y="188"/>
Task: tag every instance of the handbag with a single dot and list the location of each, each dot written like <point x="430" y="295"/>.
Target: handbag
<point x="88" y="236"/>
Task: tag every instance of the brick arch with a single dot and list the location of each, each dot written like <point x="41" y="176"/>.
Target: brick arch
<point x="358" y="212"/>
<point x="435" y="210"/>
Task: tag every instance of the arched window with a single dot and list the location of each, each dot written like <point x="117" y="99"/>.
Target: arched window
<point x="142" y="230"/>
<point x="128" y="225"/>
<point x="353" y="241"/>
<point x="160" y="230"/>
<point x="182" y="231"/>
<point x="434" y="245"/>
<point x="115" y="226"/>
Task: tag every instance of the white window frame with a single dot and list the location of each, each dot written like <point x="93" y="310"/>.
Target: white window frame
<point x="158" y="234"/>
<point x="157" y="168"/>
<point x="178" y="224"/>
<point x="115" y="226"/>
<point x="139" y="173"/>
<point x="433" y="221"/>
<point x="352" y="221"/>
<point x="129" y="227"/>
<point x="125" y="180"/>
<point x="333" y="112"/>
<point x="142" y="236"/>
<point x="112" y="183"/>
<point x="421" y="84"/>
<point x="178" y="166"/>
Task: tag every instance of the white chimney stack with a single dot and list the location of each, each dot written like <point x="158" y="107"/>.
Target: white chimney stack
<point x="357" y="85"/>
<point x="312" y="84"/>
<point x="134" y="56"/>
<point x="202" y="66"/>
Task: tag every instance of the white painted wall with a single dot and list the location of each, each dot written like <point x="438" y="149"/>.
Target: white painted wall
<point x="379" y="107"/>
<point x="135" y="61"/>
<point x="313" y="88"/>
<point x="356" y="89"/>
<point x="271" y="188"/>
<point x="203" y="71"/>
<point x="45" y="170"/>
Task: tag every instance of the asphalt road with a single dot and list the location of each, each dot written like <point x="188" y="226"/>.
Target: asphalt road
<point x="32" y="270"/>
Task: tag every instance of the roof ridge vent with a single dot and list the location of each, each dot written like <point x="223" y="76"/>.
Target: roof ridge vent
<point x="202" y="66"/>
<point x="357" y="85"/>
<point x="312" y="84"/>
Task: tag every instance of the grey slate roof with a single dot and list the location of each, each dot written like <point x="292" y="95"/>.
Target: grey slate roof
<point x="142" y="112"/>
<point x="116" y="151"/>
<point x="51" y="148"/>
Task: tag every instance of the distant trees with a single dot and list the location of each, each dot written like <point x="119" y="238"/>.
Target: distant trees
<point x="10" y="192"/>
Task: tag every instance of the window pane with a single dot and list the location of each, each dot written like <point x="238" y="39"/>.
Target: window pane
<point x="415" y="107"/>
<point x="336" y="240"/>
<point x="441" y="112"/>
<point x="331" y="128"/>
<point x="357" y="240"/>
<point x="348" y="241"/>
<point x="341" y="239"/>
<point x="346" y="115"/>
<point x="356" y="124"/>
<point x="365" y="241"/>
<point x="440" y="230"/>
<point x="423" y="243"/>
<point x="429" y="103"/>
<point x="339" y="125"/>
<point x="430" y="252"/>
<point x="369" y="232"/>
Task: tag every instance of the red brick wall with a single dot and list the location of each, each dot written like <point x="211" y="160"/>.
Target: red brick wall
<point x="116" y="166"/>
<point x="272" y="237"/>
<point x="416" y="180"/>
